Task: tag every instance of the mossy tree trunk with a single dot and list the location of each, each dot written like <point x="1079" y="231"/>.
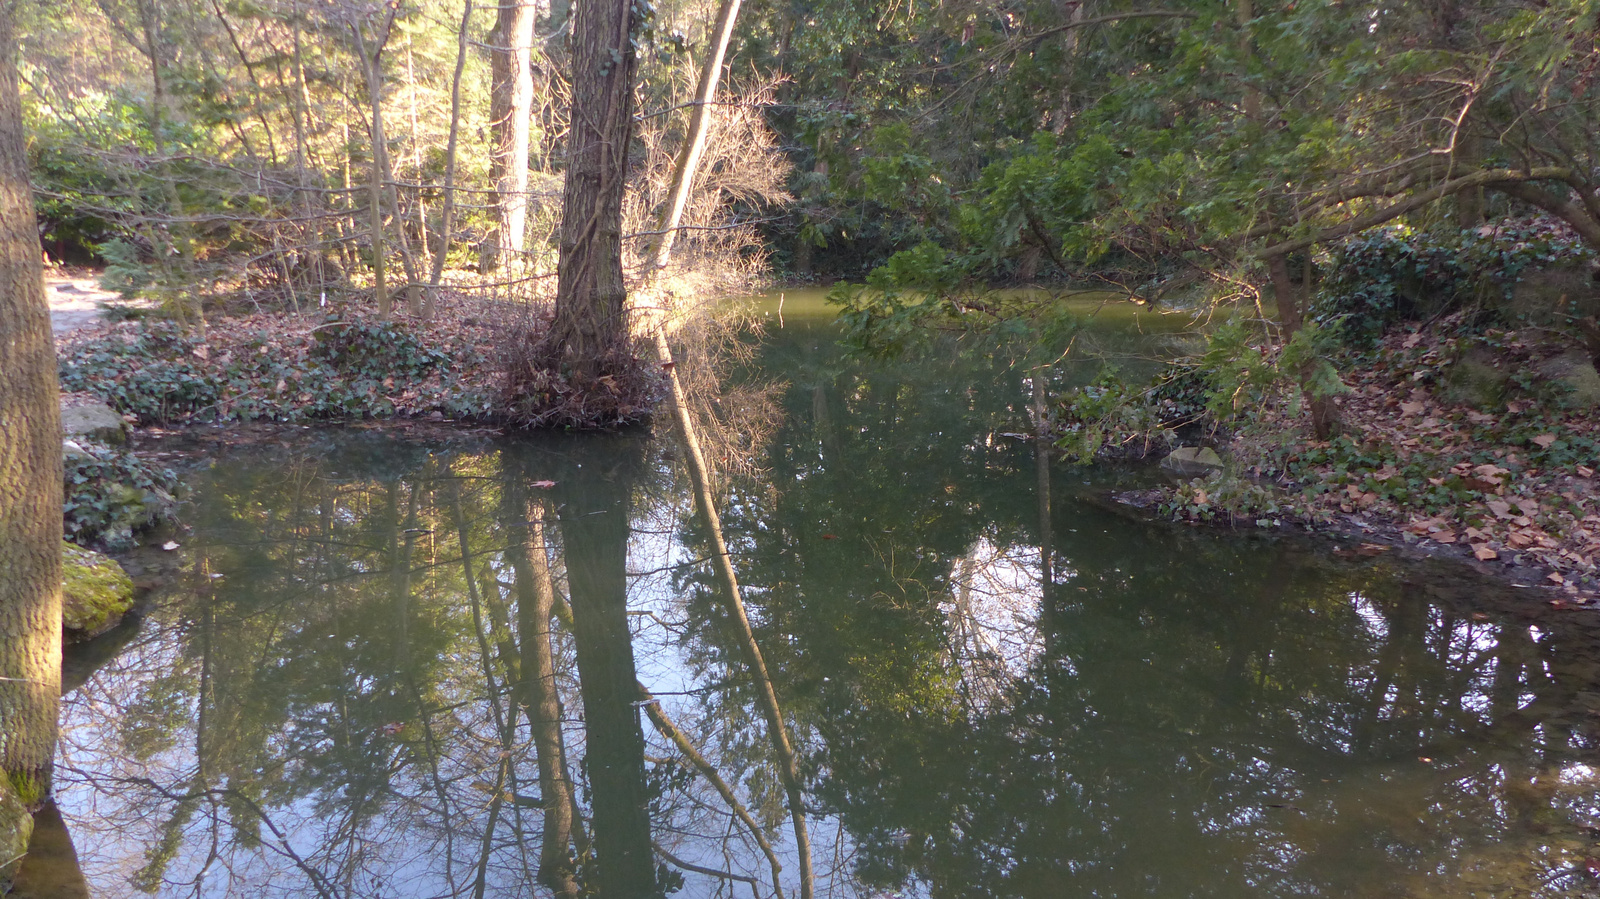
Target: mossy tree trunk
<point x="591" y="325"/>
<point x="30" y="470"/>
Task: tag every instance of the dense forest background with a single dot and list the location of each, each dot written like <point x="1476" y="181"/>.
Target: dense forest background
<point x="204" y="143"/>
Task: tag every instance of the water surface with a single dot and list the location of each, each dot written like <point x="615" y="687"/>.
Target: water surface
<point x="997" y="685"/>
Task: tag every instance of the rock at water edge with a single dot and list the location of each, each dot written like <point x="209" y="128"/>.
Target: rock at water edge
<point x="95" y="421"/>
<point x="95" y="592"/>
<point x="1192" y="461"/>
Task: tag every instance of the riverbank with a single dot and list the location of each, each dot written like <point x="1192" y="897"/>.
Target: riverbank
<point x="280" y="366"/>
<point x="1481" y="447"/>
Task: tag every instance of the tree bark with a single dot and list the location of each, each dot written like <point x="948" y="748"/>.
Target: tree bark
<point x="1291" y="313"/>
<point x="694" y="144"/>
<point x="510" y="111"/>
<point x="30" y="471"/>
<point x="447" y="214"/>
<point x="591" y="324"/>
<point x="371" y="66"/>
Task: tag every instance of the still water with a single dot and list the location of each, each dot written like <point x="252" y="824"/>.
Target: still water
<point x="407" y="665"/>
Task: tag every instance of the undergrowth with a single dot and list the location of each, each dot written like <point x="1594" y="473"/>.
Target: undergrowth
<point x="111" y="494"/>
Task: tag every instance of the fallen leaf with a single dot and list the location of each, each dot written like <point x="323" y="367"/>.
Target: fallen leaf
<point x="542" y="485"/>
<point x="830" y="536"/>
<point x="1411" y="341"/>
<point x="1544" y="440"/>
<point x="1445" y="536"/>
<point x="1484" y="553"/>
<point x="1200" y="497"/>
<point x="1585" y="471"/>
<point x="1555" y="576"/>
<point x="170" y="545"/>
<point x="1412" y="408"/>
<point x="1500" y="508"/>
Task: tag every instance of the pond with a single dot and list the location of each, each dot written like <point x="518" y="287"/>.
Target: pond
<point x="412" y="664"/>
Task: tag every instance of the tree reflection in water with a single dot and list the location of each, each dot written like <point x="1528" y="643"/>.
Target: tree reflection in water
<point x="410" y="669"/>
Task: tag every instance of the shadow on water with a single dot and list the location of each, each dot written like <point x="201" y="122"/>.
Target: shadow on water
<point x="410" y="667"/>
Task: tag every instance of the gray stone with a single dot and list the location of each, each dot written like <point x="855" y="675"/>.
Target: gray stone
<point x="1192" y="461"/>
<point x="1574" y="371"/>
<point x="1553" y="296"/>
<point x="95" y="421"/>
<point x="1477" y="379"/>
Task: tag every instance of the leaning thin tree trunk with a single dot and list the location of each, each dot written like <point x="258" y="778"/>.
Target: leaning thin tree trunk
<point x="30" y="477"/>
<point x="694" y="144"/>
<point x="510" y="112"/>
<point x="591" y="323"/>
<point x="777" y="731"/>
<point x="370" y="63"/>
<point x="447" y="214"/>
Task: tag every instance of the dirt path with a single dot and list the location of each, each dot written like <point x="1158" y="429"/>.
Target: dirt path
<point x="75" y="298"/>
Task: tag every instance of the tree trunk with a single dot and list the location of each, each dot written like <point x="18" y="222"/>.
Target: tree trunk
<point x="371" y="66"/>
<point x="380" y="289"/>
<point x="591" y="325"/>
<point x="694" y="144"/>
<point x="447" y="214"/>
<point x="510" y="110"/>
<point x="1291" y="313"/>
<point x="30" y="472"/>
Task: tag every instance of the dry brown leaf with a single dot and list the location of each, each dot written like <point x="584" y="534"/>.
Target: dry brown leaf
<point x="1484" y="553"/>
<point x="1544" y="440"/>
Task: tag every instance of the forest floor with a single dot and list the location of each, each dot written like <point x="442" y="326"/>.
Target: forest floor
<point x="339" y="363"/>
<point x="1484" y="448"/>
